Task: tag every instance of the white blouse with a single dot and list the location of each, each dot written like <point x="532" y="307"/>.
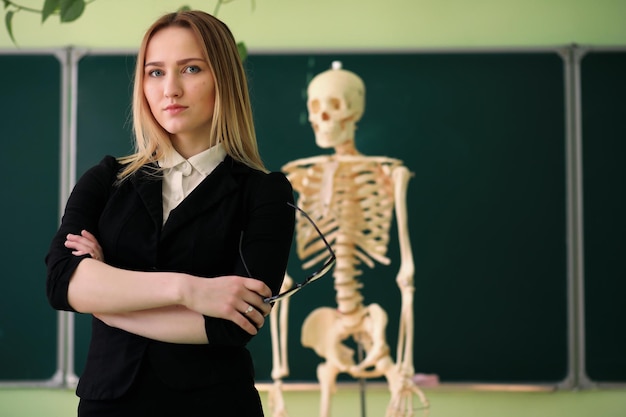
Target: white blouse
<point x="181" y="176"/>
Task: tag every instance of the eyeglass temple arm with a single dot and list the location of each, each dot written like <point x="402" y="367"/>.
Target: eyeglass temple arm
<point x="319" y="232"/>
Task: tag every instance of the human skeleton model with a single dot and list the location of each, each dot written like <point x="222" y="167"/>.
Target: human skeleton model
<point x="352" y="198"/>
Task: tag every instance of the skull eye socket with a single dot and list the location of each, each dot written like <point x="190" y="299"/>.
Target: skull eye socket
<point x="335" y="103"/>
<point x="314" y="106"/>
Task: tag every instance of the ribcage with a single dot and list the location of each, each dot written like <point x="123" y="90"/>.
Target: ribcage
<point x="352" y="202"/>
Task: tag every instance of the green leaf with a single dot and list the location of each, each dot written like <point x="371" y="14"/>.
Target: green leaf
<point x="6" y="3"/>
<point x="243" y="51"/>
<point x="49" y="7"/>
<point x="71" y="10"/>
<point x="7" y="21"/>
<point x="184" y="8"/>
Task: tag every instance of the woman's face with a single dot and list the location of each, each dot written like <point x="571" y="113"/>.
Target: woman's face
<point x="179" y="87"/>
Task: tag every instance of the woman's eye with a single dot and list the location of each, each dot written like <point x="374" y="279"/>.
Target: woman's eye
<point x="155" y="73"/>
<point x="192" y="69"/>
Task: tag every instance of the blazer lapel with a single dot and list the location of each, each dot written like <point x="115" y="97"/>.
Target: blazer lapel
<point x="149" y="187"/>
<point x="208" y="193"/>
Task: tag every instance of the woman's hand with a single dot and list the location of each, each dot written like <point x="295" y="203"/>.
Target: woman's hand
<point x="84" y="244"/>
<point x="231" y="297"/>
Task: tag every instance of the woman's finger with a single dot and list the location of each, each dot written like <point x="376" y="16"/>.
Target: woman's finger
<point x="83" y="244"/>
<point x="87" y="235"/>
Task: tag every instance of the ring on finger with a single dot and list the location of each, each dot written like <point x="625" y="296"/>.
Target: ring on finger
<point x="248" y="310"/>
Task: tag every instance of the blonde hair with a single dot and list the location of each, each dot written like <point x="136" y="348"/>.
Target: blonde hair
<point x="232" y="124"/>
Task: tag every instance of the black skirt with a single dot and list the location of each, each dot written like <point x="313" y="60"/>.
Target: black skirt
<point x="150" y="396"/>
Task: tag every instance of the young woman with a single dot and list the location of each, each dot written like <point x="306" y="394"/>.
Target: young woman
<point x="173" y="248"/>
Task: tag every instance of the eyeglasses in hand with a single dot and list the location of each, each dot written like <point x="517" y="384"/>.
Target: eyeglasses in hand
<point x="330" y="262"/>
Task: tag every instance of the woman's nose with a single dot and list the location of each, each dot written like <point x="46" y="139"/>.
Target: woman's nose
<point x="172" y="87"/>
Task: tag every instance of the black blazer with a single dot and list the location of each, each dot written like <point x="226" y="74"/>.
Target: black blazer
<point x="201" y="237"/>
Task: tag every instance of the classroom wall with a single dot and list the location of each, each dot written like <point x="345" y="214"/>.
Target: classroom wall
<point x="344" y="24"/>
<point x="452" y="79"/>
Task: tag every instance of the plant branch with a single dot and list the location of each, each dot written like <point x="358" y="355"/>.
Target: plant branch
<point x="217" y="7"/>
<point x="19" y="7"/>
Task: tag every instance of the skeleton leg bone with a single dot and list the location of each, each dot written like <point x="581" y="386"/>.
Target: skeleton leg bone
<point x="327" y="377"/>
<point x="280" y="365"/>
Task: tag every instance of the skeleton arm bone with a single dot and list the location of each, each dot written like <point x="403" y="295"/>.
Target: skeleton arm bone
<point x="404" y="279"/>
<point x="401" y="176"/>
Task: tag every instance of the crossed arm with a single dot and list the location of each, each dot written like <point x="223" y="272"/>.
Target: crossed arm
<point x="164" y="306"/>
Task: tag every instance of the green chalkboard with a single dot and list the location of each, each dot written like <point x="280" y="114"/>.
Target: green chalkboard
<point x="483" y="134"/>
<point x="30" y="112"/>
<point x="105" y="84"/>
<point x="604" y="183"/>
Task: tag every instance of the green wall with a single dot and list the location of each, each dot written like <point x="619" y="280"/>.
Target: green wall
<point x="366" y="26"/>
<point x="345" y="24"/>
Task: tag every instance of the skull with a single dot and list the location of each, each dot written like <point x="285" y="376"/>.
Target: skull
<point x="336" y="101"/>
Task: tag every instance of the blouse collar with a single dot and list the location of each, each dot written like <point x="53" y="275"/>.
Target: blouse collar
<point x="204" y="162"/>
